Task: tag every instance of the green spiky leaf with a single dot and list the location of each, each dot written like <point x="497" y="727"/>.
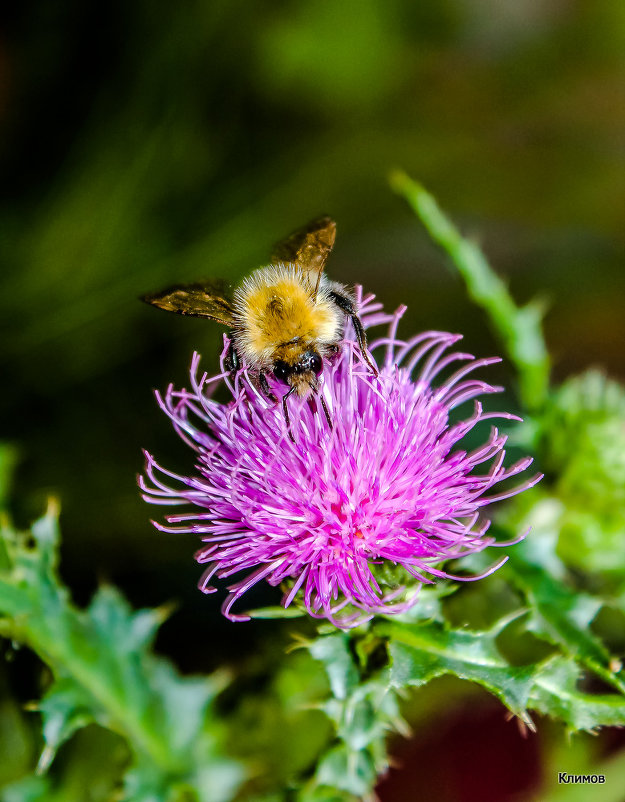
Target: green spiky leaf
<point x="562" y="615"/>
<point x="348" y="770"/>
<point x="362" y="707"/>
<point x="104" y="672"/>
<point x="555" y="693"/>
<point x="421" y="653"/>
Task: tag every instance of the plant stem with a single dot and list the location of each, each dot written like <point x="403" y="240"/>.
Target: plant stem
<point x="519" y="328"/>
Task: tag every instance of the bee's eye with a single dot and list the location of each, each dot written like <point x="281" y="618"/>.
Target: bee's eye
<point x="311" y="361"/>
<point x="281" y="371"/>
<point x="315" y="364"/>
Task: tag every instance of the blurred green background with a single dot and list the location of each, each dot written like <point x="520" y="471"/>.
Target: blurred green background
<point x="146" y="144"/>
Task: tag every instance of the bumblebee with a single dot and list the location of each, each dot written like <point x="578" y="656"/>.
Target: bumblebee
<point x="285" y="319"/>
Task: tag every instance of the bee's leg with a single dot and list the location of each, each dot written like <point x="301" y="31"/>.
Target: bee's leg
<point x="326" y="411"/>
<point x="232" y="363"/>
<point x="362" y="343"/>
<point x="312" y="403"/>
<point x="285" y="410"/>
<point x="347" y="305"/>
<point x="264" y="386"/>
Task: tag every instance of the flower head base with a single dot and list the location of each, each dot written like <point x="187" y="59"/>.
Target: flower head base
<point x="327" y="511"/>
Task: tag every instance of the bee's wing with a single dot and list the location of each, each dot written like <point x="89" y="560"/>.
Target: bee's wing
<point x="209" y="299"/>
<point x="309" y="246"/>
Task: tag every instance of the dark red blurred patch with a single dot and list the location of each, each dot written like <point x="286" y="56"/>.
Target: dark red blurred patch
<point x="473" y="755"/>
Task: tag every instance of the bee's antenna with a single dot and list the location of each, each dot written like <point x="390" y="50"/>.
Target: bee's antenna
<point x="285" y="410"/>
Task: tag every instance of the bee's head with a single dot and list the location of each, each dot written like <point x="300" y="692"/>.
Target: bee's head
<point x="301" y="372"/>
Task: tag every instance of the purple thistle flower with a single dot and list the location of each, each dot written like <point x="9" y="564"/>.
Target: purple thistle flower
<point x="327" y="513"/>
